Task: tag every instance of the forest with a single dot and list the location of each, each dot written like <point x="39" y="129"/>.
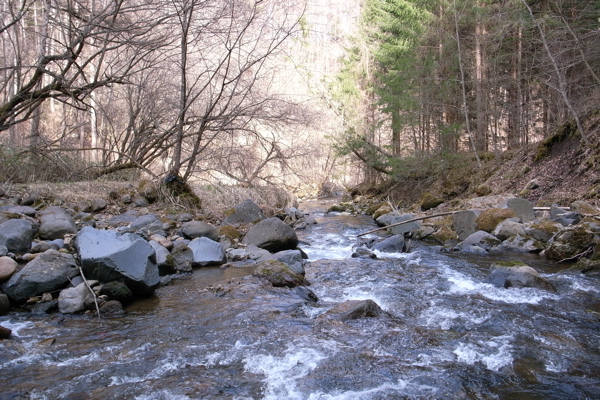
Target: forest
<point x="291" y="94"/>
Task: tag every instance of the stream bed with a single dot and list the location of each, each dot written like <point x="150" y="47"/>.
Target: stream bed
<point x="448" y="334"/>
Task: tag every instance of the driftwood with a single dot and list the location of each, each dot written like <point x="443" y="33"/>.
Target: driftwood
<point x="409" y="220"/>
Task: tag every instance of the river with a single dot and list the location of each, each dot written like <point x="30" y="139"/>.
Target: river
<point x="449" y="334"/>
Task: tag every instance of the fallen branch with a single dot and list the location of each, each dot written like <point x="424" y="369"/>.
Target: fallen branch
<point x="93" y="294"/>
<point x="410" y="220"/>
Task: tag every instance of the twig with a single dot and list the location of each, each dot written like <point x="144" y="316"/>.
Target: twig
<point x="409" y="220"/>
<point x="93" y="294"/>
<point x="578" y="256"/>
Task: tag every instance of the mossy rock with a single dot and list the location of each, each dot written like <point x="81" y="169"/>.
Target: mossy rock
<point x="429" y="201"/>
<point x="491" y="217"/>
<point x="543" y="230"/>
<point x="383" y="210"/>
<point x="567" y="130"/>
<point x="444" y="235"/>
<point x="483" y="190"/>
<point x="587" y="266"/>
<point x="279" y="274"/>
<point x="570" y="243"/>
<point x="183" y="193"/>
<point x="149" y="189"/>
<point x="336" y="208"/>
<point x="230" y="232"/>
<point x="373" y="208"/>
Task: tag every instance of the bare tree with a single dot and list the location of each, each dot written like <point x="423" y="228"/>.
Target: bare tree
<point x="83" y="50"/>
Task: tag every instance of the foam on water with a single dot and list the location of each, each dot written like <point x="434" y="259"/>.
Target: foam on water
<point x="445" y="318"/>
<point x="329" y="246"/>
<point x="462" y="284"/>
<point x="494" y="353"/>
<point x="401" y="387"/>
<point x="282" y="372"/>
<point x="16" y="326"/>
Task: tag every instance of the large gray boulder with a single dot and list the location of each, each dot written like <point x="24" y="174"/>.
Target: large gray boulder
<point x="481" y="239"/>
<point x="47" y="272"/>
<point x="55" y="223"/>
<point x="518" y="275"/>
<point x="198" y="229"/>
<point x="272" y="234"/>
<point x="570" y="243"/>
<point x="108" y="256"/>
<point x="464" y="223"/>
<point x="523" y="208"/>
<point x="16" y="235"/>
<point x="207" y="252"/>
<point x="392" y="244"/>
<point x="391" y="219"/>
<point x="246" y="212"/>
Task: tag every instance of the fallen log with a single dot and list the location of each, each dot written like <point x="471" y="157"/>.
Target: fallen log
<point x="409" y="220"/>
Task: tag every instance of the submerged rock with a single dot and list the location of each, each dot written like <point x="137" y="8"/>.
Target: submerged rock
<point x="353" y="309"/>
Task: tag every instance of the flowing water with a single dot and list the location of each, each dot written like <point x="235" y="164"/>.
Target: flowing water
<point x="449" y="335"/>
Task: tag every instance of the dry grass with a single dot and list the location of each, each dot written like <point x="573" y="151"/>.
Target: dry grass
<point x="216" y="199"/>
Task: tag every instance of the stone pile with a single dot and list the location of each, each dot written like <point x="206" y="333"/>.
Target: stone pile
<point x="494" y="224"/>
<point x="73" y="261"/>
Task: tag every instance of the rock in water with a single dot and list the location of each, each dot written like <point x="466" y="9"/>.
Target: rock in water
<point x="392" y="244"/>
<point x="518" y="275"/>
<point x="48" y="272"/>
<point x="272" y="234"/>
<point x="279" y="274"/>
<point x="207" y="252"/>
<point x="108" y="256"/>
<point x="5" y="333"/>
<point x="353" y="309"/>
